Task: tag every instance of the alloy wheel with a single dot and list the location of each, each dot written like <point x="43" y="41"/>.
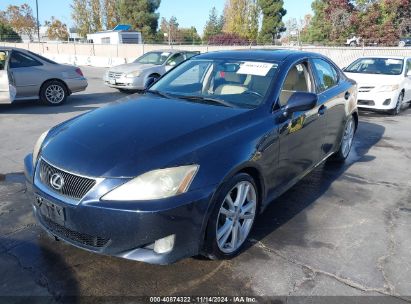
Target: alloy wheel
<point x="348" y="138"/>
<point x="236" y="217"/>
<point x="54" y="94"/>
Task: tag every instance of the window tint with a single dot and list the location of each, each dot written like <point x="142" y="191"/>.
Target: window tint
<point x="175" y="59"/>
<point x="298" y="80"/>
<point x="327" y="75"/>
<point x="20" y="60"/>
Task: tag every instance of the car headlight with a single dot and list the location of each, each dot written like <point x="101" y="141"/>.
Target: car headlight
<point x="388" y="88"/>
<point x="37" y="147"/>
<point x="133" y="74"/>
<point x="155" y="184"/>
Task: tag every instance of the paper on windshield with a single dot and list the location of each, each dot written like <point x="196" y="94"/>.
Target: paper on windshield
<point x="255" y="68"/>
<point x="165" y="54"/>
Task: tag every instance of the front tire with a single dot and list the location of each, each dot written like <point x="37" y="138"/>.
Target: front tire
<point x="398" y="105"/>
<point x="233" y="216"/>
<point x="53" y="93"/>
<point x="346" y="141"/>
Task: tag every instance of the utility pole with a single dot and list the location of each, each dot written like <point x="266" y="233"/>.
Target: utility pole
<point x="38" y="23"/>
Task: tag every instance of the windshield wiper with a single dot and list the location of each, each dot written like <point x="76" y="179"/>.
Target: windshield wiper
<point x="207" y="100"/>
<point x="156" y="92"/>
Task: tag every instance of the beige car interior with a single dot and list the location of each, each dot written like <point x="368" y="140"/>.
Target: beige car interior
<point x="298" y="80"/>
<point x="235" y="83"/>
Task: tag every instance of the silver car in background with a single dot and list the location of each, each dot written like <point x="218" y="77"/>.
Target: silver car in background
<point x="133" y="76"/>
<point x="25" y="75"/>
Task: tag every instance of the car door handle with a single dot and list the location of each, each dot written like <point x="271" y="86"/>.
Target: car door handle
<point x="347" y="95"/>
<point x="322" y="110"/>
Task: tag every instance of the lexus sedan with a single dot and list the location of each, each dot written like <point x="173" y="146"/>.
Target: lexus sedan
<point x="384" y="82"/>
<point x="25" y="75"/>
<point x="134" y="76"/>
<point x="185" y="168"/>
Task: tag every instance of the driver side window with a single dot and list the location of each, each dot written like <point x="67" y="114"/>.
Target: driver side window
<point x="175" y="60"/>
<point x="297" y="80"/>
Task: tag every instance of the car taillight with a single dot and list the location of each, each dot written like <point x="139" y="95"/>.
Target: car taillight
<point x="78" y="71"/>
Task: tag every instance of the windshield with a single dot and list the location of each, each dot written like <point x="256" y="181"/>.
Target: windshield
<point x="385" y="66"/>
<point x="224" y="82"/>
<point x="157" y="58"/>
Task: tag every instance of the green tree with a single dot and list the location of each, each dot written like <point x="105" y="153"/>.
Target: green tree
<point x="214" y="24"/>
<point x="81" y="17"/>
<point x="7" y="33"/>
<point x="95" y="13"/>
<point x="272" y="25"/>
<point x="319" y="29"/>
<point x="21" y="19"/>
<point x="189" y="36"/>
<point x="141" y="14"/>
<point x="57" y="30"/>
<point x="236" y="17"/>
<point x="111" y="16"/>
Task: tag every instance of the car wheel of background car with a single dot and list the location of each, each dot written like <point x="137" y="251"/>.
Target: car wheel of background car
<point x="236" y="205"/>
<point x="353" y="44"/>
<point x="398" y="105"/>
<point x="346" y="141"/>
<point x="53" y="93"/>
<point x="401" y="44"/>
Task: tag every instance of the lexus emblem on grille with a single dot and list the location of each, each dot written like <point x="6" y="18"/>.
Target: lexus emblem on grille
<point x="57" y="181"/>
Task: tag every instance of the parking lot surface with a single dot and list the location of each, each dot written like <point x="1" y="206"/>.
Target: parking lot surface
<point x="343" y="230"/>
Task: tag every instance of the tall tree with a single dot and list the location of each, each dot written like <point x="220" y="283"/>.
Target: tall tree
<point x="236" y="17"/>
<point x="57" y="30"/>
<point x="170" y="30"/>
<point x="141" y="14"/>
<point x="81" y="17"/>
<point x="94" y="8"/>
<point x="21" y="19"/>
<point x="272" y="25"/>
<point x="214" y="24"/>
<point x="320" y="26"/>
<point x="111" y="14"/>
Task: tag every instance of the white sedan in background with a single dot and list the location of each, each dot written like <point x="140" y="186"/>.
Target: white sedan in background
<point x="384" y="83"/>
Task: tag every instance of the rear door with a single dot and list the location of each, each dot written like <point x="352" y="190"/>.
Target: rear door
<point x="7" y="88"/>
<point x="333" y="94"/>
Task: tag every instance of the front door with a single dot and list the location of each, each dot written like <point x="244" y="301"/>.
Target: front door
<point x="7" y="88"/>
<point x="301" y="135"/>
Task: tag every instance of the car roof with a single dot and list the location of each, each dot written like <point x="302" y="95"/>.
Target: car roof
<point x="171" y="51"/>
<point x="270" y="55"/>
<point x="381" y="56"/>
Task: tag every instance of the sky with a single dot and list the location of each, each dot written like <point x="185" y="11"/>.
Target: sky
<point x="188" y="12"/>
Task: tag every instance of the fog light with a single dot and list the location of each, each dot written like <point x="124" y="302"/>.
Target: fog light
<point x="164" y="245"/>
<point x="387" y="102"/>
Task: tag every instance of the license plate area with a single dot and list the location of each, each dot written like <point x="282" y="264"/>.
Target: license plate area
<point x="50" y="210"/>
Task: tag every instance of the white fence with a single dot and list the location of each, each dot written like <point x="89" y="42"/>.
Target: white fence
<point x="109" y="55"/>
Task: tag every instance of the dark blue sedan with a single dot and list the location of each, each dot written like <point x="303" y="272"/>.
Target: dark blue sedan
<point x="185" y="168"/>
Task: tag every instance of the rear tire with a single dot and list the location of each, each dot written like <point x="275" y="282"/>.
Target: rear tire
<point x="233" y="216"/>
<point x="401" y="44"/>
<point x="346" y="141"/>
<point x="53" y="93"/>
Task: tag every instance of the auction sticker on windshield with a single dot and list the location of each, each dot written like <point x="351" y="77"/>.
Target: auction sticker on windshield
<point x="255" y="68"/>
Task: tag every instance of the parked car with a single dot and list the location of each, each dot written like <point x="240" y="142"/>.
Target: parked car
<point x="353" y="40"/>
<point x="133" y="76"/>
<point x="25" y="75"/>
<point x="185" y="168"/>
<point x="384" y="82"/>
<point x="404" y="42"/>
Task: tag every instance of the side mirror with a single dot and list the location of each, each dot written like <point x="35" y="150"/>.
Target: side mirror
<point x="300" y="101"/>
<point x="150" y="81"/>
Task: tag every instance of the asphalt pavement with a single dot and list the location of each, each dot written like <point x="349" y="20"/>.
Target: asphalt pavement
<point x="341" y="231"/>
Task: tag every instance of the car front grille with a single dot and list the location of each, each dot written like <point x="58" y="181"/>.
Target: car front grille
<point x="74" y="186"/>
<point x="365" y="89"/>
<point x="366" y="102"/>
<point x="114" y="75"/>
<point x="78" y="237"/>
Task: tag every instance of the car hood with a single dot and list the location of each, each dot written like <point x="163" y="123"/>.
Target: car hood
<point x="131" y="67"/>
<point x="374" y="80"/>
<point x="133" y="136"/>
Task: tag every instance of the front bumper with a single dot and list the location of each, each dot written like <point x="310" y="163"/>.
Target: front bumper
<point x="76" y="84"/>
<point x="125" y="83"/>
<point x="378" y="100"/>
<point x="127" y="229"/>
